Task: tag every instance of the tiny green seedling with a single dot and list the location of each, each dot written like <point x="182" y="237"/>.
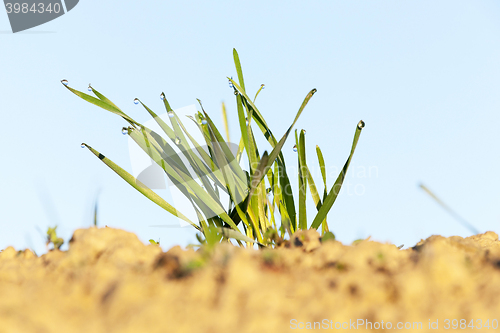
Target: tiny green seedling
<point x="357" y="241"/>
<point x="152" y="241"/>
<point x="53" y="239"/>
<point x="262" y="207"/>
<point x="328" y="236"/>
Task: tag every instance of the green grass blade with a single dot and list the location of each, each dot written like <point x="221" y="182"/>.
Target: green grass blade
<point x="224" y="118"/>
<point x="284" y="180"/>
<point x="262" y="198"/>
<point x="256" y="115"/>
<point x="285" y="220"/>
<point x="96" y="208"/>
<point x="206" y="198"/>
<point x="204" y="155"/>
<point x="146" y="141"/>
<point x="206" y="161"/>
<point x="276" y="186"/>
<point x="237" y="63"/>
<point x="148" y="193"/>
<point x="261" y="168"/>
<point x="236" y="194"/>
<point x="240" y="176"/>
<point x="313" y="189"/>
<point x="230" y="233"/>
<point x="334" y="191"/>
<point x="258" y="91"/>
<point x="102" y="97"/>
<point x="287" y="195"/>
<point x="199" y="167"/>
<point x="460" y="219"/>
<point x="177" y="174"/>
<point x="321" y="162"/>
<point x="104" y="105"/>
<point x="277" y="149"/>
<point x="150" y="146"/>
<point x="157" y="148"/>
<point x="301" y="152"/>
<point x="167" y="105"/>
<point x="166" y="129"/>
<point x="243" y="127"/>
<point x="241" y="146"/>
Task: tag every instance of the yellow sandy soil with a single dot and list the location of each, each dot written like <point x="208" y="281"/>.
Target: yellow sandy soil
<point x="109" y="281"/>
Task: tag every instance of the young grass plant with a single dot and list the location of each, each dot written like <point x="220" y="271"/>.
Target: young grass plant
<point x="52" y="238"/>
<point x="258" y="195"/>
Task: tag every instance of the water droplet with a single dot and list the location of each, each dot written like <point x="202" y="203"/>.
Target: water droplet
<point x="361" y="124"/>
<point x="136" y="101"/>
<point x="177" y="140"/>
<point x="171" y="114"/>
<point x="246" y="121"/>
<point x="295" y="148"/>
<point x="304" y="131"/>
<point x="236" y="92"/>
<point x="83" y="145"/>
<point x="263" y="86"/>
<point x="125" y="131"/>
<point x="162" y="96"/>
<point x="314" y="91"/>
<point x="204" y="122"/>
<point x="230" y="83"/>
<point x="65" y="82"/>
<point x="90" y="87"/>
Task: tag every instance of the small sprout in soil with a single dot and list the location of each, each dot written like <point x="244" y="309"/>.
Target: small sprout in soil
<point x="328" y="236"/>
<point x="269" y="258"/>
<point x="357" y="241"/>
<point x="53" y="239"/>
<point x="272" y="237"/>
<point x="341" y="266"/>
<point x="152" y="241"/>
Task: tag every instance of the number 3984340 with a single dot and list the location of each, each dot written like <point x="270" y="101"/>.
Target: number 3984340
<point x="36" y="8"/>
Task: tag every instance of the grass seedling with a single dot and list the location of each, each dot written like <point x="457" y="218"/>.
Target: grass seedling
<point x="457" y="217"/>
<point x="261" y="208"/>
<point x="52" y="238"/>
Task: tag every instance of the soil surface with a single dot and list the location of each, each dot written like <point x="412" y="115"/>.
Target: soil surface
<point x="109" y="281"/>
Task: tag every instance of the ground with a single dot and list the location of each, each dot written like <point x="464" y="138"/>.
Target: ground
<point x="109" y="281"/>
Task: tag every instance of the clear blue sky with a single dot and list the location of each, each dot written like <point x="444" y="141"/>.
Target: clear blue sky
<point x="423" y="75"/>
